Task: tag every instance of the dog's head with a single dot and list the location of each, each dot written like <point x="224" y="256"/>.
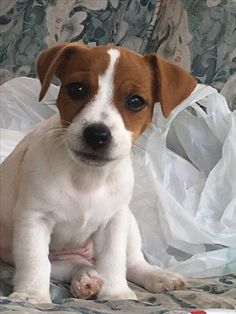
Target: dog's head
<point x="107" y="96"/>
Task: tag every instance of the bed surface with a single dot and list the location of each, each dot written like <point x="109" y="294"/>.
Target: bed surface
<point x="218" y="292"/>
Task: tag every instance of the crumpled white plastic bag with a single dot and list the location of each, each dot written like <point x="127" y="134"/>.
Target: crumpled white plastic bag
<point x="20" y="110"/>
<point x="185" y="187"/>
<point x="185" y="198"/>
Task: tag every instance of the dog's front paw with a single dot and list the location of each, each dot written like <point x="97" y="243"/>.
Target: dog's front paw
<point x="32" y="298"/>
<point x="87" y="283"/>
<point x="123" y="294"/>
<point x="159" y="281"/>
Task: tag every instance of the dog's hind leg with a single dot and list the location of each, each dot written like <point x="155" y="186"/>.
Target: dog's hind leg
<point x="85" y="281"/>
<point x="139" y="271"/>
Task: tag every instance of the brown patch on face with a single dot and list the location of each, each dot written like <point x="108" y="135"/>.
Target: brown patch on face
<point x="155" y="80"/>
<point x="68" y="107"/>
<point x="72" y="63"/>
<point x="133" y="77"/>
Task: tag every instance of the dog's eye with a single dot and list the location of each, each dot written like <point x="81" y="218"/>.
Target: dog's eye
<point x="135" y="103"/>
<point x="77" y="90"/>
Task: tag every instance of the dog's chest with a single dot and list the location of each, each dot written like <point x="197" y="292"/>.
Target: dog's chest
<point x="81" y="212"/>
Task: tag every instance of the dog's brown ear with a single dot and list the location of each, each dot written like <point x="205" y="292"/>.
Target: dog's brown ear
<point x="171" y="84"/>
<point x="53" y="62"/>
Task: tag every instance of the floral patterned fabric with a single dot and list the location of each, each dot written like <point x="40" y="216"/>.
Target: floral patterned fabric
<point x="200" y="35"/>
<point x="200" y="293"/>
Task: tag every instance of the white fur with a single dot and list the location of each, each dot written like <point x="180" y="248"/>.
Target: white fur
<point x="49" y="200"/>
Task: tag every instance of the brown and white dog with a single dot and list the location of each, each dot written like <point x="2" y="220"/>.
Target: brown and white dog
<point x="66" y="188"/>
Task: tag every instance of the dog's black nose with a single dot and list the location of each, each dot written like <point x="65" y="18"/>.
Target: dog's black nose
<point x="97" y="136"/>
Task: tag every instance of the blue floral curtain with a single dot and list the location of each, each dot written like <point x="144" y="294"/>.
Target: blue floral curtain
<point x="199" y="35"/>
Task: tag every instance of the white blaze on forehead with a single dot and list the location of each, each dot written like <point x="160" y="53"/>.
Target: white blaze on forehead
<point x="102" y="102"/>
<point x="106" y="81"/>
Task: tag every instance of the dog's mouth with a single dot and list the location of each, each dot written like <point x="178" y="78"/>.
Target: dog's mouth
<point x="92" y="158"/>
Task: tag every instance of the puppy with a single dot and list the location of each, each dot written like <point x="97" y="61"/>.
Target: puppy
<point x="66" y="188"/>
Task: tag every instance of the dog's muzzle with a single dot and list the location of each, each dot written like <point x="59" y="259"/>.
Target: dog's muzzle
<point x="96" y="142"/>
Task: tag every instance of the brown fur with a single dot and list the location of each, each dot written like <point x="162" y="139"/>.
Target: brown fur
<point x="133" y="77"/>
<point x="71" y="63"/>
<point x="151" y="77"/>
<point x="172" y="84"/>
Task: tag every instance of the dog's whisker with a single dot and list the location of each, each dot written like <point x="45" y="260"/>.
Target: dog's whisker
<point x="68" y="123"/>
<point x="55" y="132"/>
<point x="55" y="135"/>
<point x="58" y="128"/>
<point x="59" y="138"/>
<point x="74" y="134"/>
<point x="61" y="142"/>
